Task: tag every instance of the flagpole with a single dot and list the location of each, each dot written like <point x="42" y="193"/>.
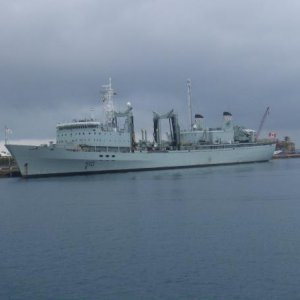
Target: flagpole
<point x="5" y="135"/>
<point x="7" y="131"/>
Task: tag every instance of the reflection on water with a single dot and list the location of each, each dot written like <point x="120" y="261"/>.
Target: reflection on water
<point x="204" y="233"/>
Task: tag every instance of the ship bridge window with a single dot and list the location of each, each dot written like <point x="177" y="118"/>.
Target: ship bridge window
<point x="77" y="126"/>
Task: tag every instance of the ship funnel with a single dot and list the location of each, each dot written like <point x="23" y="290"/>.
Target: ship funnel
<point x="227" y="120"/>
<point x="198" y="123"/>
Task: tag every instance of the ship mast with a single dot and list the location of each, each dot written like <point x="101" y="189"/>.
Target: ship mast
<point x="107" y="99"/>
<point x="189" y="100"/>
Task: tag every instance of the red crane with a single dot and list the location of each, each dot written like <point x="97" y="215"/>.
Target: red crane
<point x="267" y="111"/>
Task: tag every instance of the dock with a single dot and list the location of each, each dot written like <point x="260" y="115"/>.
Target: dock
<point x="9" y="171"/>
<point x="286" y="155"/>
<point x="8" y="167"/>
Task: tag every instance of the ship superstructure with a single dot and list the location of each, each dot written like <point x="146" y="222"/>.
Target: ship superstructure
<point x="87" y="133"/>
<point x="90" y="146"/>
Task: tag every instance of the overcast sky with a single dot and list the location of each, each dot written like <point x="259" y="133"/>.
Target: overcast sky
<point x="241" y="56"/>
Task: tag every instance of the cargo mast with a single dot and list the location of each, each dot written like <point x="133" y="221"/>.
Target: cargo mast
<point x="189" y="100"/>
<point x="107" y="99"/>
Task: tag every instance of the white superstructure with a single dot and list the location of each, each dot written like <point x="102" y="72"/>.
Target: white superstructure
<point x="89" y="146"/>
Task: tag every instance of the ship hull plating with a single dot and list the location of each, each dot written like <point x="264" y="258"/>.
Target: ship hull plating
<point x="35" y="161"/>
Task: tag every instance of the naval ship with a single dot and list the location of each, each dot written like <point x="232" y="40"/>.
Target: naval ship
<point x="89" y="146"/>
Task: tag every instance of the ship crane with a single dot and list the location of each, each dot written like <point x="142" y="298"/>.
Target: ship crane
<point x="267" y="111"/>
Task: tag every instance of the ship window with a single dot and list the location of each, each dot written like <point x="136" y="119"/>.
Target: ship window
<point x="107" y="155"/>
<point x="100" y="155"/>
<point x="113" y="155"/>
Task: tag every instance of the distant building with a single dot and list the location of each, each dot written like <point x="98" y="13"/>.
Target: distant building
<point x="286" y="145"/>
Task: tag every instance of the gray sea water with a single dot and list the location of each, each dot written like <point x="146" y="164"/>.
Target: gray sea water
<point x="212" y="233"/>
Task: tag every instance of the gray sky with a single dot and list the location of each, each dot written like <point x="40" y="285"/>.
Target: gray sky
<point x="241" y="56"/>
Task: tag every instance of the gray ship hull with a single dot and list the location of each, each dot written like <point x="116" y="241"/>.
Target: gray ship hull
<point x="53" y="160"/>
